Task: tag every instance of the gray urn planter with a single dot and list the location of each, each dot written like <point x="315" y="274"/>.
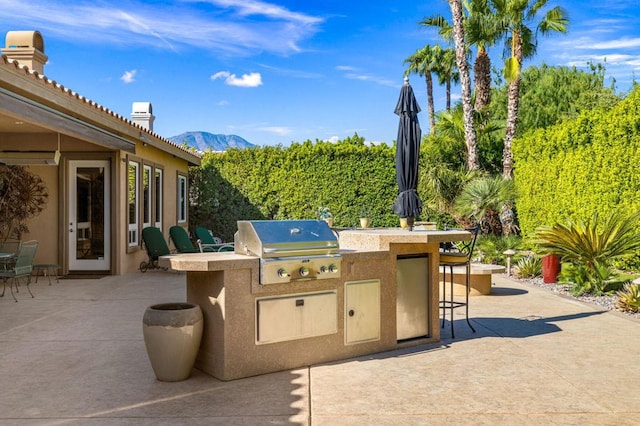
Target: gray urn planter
<point x="172" y="334"/>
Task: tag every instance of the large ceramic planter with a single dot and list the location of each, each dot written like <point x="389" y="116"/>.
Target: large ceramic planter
<point x="550" y="268"/>
<point x="365" y="222"/>
<point x="172" y="334"/>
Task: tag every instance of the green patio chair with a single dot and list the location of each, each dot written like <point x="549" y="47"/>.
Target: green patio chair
<point x="21" y="268"/>
<point x="156" y="246"/>
<point x="181" y="240"/>
<point x="208" y="243"/>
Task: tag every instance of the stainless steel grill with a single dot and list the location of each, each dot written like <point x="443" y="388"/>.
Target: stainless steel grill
<point x="290" y="250"/>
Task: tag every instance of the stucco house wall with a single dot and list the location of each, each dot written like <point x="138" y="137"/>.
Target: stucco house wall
<point x="38" y="115"/>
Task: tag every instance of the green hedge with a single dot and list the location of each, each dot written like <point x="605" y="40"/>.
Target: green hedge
<point x="274" y="182"/>
<point x="579" y="167"/>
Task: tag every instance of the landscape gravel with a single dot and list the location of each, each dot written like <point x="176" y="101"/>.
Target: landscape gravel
<point x="607" y="302"/>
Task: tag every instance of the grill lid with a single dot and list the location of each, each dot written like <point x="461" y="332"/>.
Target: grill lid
<point x="284" y="238"/>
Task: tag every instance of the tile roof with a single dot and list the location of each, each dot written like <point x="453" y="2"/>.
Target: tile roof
<point x="45" y="81"/>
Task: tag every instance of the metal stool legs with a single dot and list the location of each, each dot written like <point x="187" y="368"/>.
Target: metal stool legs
<point x="451" y="304"/>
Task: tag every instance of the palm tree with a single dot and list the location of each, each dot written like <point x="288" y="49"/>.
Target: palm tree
<point x="480" y="31"/>
<point x="465" y="82"/>
<point x="515" y="19"/>
<point x="424" y="62"/>
<point x="447" y="72"/>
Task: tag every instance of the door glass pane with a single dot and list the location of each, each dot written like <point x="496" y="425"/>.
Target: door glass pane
<point x="90" y="213"/>
<point x="146" y="196"/>
<point x="158" y="198"/>
<point x="133" y="203"/>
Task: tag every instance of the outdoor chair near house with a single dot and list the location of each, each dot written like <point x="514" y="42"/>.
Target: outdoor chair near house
<point x="10" y="247"/>
<point x="19" y="268"/>
<point x="453" y="255"/>
<point x="156" y="246"/>
<point x="181" y="240"/>
<point x="208" y="243"/>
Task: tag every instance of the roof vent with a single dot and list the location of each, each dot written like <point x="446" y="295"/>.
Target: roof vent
<point x="26" y="47"/>
<point x="142" y="115"/>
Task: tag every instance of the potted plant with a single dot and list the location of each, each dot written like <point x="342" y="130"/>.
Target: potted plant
<point x="324" y="213"/>
<point x="365" y="218"/>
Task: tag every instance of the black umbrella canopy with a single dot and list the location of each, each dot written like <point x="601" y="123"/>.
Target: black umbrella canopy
<point x="408" y="203"/>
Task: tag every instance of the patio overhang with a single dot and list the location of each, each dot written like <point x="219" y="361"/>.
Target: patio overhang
<point x="30" y="158"/>
<point x="26" y="109"/>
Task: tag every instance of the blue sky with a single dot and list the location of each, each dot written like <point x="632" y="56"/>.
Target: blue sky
<point x="280" y="71"/>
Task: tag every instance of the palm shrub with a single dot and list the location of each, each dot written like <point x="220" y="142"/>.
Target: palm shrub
<point x="588" y="249"/>
<point x="482" y="200"/>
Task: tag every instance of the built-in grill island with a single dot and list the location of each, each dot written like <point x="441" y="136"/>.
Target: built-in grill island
<point x="290" y="250"/>
<point x="297" y="293"/>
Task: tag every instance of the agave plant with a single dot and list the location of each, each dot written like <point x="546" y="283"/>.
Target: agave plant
<point x="629" y="298"/>
<point x="591" y="246"/>
<point x="529" y="267"/>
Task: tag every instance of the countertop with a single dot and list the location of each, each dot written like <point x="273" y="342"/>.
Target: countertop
<point x="353" y="242"/>
<point x="381" y="238"/>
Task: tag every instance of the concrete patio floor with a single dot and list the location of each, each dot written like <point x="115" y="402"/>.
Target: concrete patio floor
<point x="75" y="355"/>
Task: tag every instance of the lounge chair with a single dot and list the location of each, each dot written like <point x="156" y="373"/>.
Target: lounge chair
<point x="181" y="240"/>
<point x="22" y="268"/>
<point x="156" y="246"/>
<point x="208" y="243"/>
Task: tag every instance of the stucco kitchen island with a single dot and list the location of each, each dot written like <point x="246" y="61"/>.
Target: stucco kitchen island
<point x="251" y="328"/>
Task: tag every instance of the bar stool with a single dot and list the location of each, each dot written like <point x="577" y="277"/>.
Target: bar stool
<point x="452" y="255"/>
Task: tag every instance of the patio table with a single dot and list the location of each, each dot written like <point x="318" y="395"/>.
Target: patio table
<point x="47" y="269"/>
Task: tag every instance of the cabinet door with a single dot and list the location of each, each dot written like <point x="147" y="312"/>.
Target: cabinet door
<point x="362" y="311"/>
<point x="296" y="317"/>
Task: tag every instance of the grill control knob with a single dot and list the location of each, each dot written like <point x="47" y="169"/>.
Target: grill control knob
<point x="324" y="269"/>
<point x="333" y="268"/>
<point x="282" y="273"/>
<point x="304" y="271"/>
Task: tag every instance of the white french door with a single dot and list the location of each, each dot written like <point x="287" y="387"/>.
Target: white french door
<point x="89" y="215"/>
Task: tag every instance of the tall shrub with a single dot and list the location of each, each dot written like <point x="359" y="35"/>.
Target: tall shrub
<point x="291" y="183"/>
<point x="580" y="167"/>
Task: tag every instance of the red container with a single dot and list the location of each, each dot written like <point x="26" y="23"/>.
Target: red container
<point x="550" y="268"/>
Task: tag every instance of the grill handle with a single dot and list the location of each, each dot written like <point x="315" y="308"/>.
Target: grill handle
<point x="300" y="250"/>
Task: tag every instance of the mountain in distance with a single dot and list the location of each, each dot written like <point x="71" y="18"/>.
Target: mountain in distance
<point x="204" y="141"/>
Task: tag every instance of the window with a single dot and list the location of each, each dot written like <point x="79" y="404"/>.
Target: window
<point x="158" y="197"/>
<point x="182" y="198"/>
<point x="132" y="199"/>
<point x="146" y="196"/>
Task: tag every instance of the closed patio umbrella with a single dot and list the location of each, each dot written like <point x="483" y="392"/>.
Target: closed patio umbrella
<point x="408" y="203"/>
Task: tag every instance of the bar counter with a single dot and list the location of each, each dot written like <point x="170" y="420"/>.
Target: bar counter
<point x="353" y="315"/>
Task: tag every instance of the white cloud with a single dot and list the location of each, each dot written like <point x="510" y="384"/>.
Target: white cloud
<point x="589" y="43"/>
<point x="129" y="76"/>
<point x="278" y="130"/>
<point x="354" y="74"/>
<point x="252" y="7"/>
<point x="334" y="139"/>
<point x="223" y="103"/>
<point x="230" y="26"/>
<point x="253" y="79"/>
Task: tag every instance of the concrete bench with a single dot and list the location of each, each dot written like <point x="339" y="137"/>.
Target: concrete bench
<point x="479" y="281"/>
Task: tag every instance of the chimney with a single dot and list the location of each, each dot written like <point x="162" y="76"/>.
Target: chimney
<point x="26" y="47"/>
<point x="142" y="115"/>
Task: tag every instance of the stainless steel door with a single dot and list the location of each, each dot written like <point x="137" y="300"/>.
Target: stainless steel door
<point x="412" y="305"/>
